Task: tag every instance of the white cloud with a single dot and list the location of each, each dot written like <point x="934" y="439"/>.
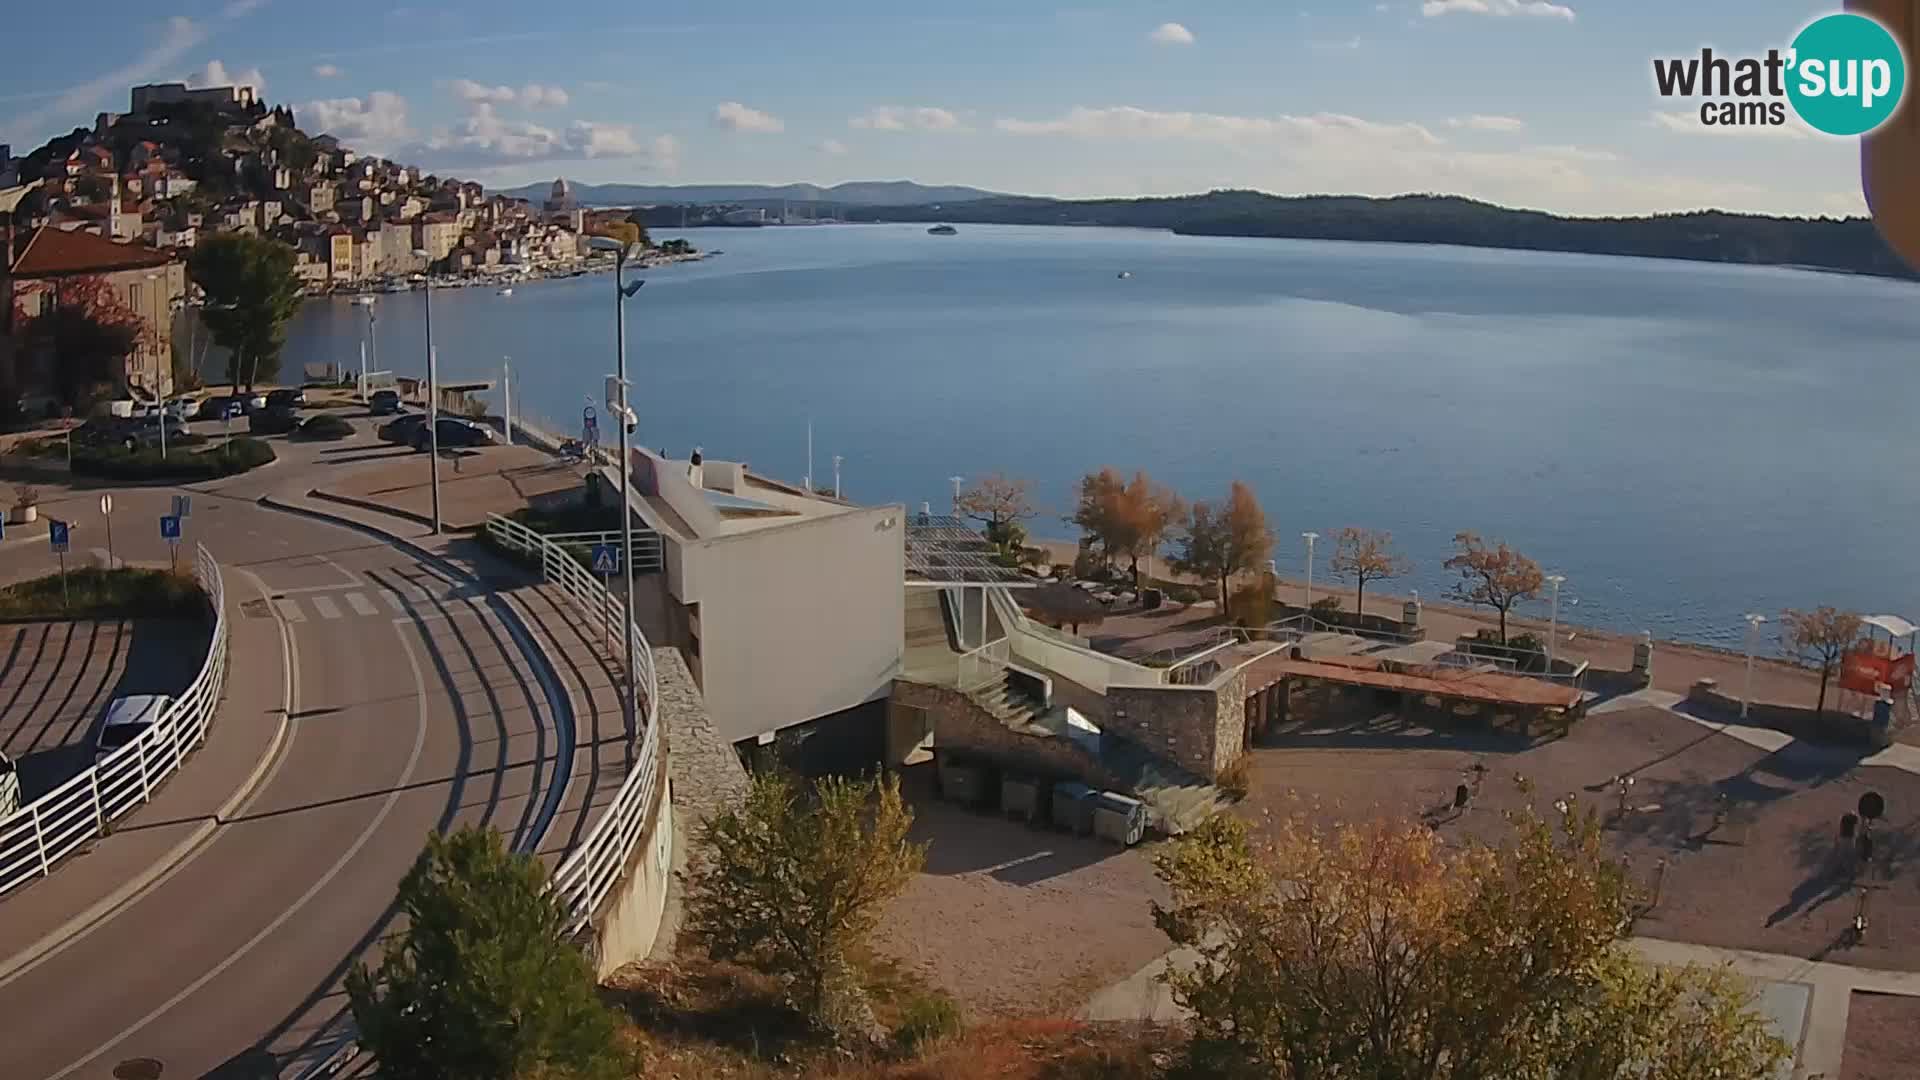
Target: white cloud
<point x="326" y="71"/>
<point x="180" y="34"/>
<point x="474" y="93"/>
<point x="216" y="74"/>
<point x="833" y="147"/>
<point x="1171" y="33"/>
<point x="485" y="140"/>
<point x="1688" y="123"/>
<point x="532" y="95"/>
<point x="237" y="8"/>
<point x="1127" y="122"/>
<point x="902" y="118"/>
<point x="374" y="123"/>
<point x="1435" y="8"/>
<point x="535" y="96"/>
<point x="1330" y="46"/>
<point x="1478" y="122"/>
<point x="734" y="116"/>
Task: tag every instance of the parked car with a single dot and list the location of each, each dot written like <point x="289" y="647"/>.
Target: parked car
<point x="104" y="431"/>
<point x="272" y="420"/>
<point x="402" y="429"/>
<point x="9" y="787"/>
<point x="146" y="430"/>
<point x="254" y="402"/>
<point x="383" y="402"/>
<point x="221" y="407"/>
<point x="287" y="398"/>
<point x="183" y="408"/>
<point x="454" y="432"/>
<point x="124" y="719"/>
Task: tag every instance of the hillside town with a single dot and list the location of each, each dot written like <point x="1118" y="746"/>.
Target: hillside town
<point x="113" y="210"/>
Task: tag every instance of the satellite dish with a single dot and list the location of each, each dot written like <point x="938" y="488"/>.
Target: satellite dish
<point x="1872" y="805"/>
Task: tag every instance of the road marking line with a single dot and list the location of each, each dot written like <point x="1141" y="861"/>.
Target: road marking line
<point x="289" y="610"/>
<point x="394" y="600"/>
<point x="325" y="606"/>
<point x="393" y="798"/>
<point x="361" y="605"/>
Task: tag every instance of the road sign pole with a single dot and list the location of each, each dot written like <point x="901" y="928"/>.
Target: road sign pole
<point x="109" y="516"/>
<point x="63" y="581"/>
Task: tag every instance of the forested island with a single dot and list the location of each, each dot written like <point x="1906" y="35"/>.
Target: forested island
<point x="1849" y="245"/>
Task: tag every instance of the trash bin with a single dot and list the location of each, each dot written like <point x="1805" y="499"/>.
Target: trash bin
<point x="1149" y="599"/>
<point x="1024" y="797"/>
<point x="1119" y="818"/>
<point x="962" y="782"/>
<point x="1073" y="807"/>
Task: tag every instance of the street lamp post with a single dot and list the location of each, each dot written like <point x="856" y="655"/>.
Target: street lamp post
<point x="621" y="292"/>
<point x="1753" y="634"/>
<point x="1309" y="537"/>
<point x="836" y="475"/>
<point x="433" y="396"/>
<point x="957" y="481"/>
<point x="1553" y="618"/>
<point x="367" y="343"/>
<point x="506" y="389"/>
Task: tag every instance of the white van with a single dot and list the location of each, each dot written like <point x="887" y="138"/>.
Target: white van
<point x="9" y="787"/>
<point x="125" y="719"/>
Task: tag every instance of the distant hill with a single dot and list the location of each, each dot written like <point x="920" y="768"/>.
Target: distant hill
<point x="854" y="193"/>
<point x="1849" y="244"/>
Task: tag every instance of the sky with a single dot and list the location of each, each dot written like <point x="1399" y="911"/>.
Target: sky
<point x="1546" y="104"/>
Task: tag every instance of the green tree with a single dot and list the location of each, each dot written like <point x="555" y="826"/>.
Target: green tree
<point x="1217" y="544"/>
<point x="1373" y="951"/>
<point x="251" y="293"/>
<point x="480" y="985"/>
<point x="791" y="881"/>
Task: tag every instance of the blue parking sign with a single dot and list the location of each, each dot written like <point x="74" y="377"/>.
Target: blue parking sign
<point x="169" y="527"/>
<point x="57" y="536"/>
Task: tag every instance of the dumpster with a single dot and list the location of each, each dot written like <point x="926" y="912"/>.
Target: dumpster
<point x="1073" y="807"/>
<point x="1024" y="797"/>
<point x="1119" y="818"/>
<point x="963" y="782"/>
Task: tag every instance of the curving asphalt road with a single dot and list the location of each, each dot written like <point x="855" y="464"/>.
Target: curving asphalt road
<point x="410" y="707"/>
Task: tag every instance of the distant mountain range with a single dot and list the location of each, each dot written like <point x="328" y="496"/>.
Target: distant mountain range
<point x="853" y="193"/>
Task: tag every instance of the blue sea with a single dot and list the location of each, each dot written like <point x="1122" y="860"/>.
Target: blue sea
<point x="1686" y="442"/>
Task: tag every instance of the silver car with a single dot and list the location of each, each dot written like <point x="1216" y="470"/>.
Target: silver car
<point x="125" y="720"/>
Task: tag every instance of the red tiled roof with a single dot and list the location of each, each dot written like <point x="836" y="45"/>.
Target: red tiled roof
<point x="53" y="252"/>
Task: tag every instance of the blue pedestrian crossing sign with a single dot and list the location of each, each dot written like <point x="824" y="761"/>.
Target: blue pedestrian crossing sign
<point x="57" y="536"/>
<point x="169" y="527"/>
<point x="606" y="558"/>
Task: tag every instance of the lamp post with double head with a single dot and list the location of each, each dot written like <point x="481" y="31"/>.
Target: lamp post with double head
<point x="1309" y="537"/>
<point x="433" y="393"/>
<point x="1753" y="635"/>
<point x="622" y="291"/>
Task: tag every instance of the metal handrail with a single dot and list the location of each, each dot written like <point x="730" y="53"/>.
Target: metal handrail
<point x="84" y="808"/>
<point x="983" y="666"/>
<point x="589" y="872"/>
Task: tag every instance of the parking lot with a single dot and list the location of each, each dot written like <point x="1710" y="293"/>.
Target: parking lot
<point x="56" y="677"/>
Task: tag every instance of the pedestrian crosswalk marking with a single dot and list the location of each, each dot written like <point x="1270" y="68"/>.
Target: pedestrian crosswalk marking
<point x="289" y="610"/>
<point x="326" y="607"/>
<point x="361" y="605"/>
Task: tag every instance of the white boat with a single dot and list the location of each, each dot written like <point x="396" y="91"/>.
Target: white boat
<point x="508" y="291"/>
<point x="1125" y="274"/>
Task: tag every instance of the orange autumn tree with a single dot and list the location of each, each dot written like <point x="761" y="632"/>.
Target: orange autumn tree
<point x="1377" y="950"/>
<point x="1129" y="519"/>
<point x="1821" y="637"/>
<point x="1493" y="576"/>
<point x="1219" y="542"/>
<point x="87" y="333"/>
<point x="1363" y="555"/>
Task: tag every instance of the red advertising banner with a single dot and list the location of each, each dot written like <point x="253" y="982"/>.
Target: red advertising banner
<point x="1865" y="671"/>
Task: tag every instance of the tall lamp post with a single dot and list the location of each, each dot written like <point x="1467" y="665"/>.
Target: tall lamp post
<point x="1553" y="618"/>
<point x="1753" y="634"/>
<point x="367" y="344"/>
<point x="433" y="394"/>
<point x="1309" y="537"/>
<point x="624" y="413"/>
<point x="957" y="481"/>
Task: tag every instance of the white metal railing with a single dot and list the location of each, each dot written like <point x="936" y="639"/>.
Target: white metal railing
<point x="593" y="867"/>
<point x="984" y="666"/>
<point x="648" y="551"/>
<point x="84" y="808"/>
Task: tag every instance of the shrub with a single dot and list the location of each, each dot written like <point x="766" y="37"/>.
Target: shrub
<point x="114" y="463"/>
<point x="927" y="1018"/>
<point x="1252" y="605"/>
<point x="96" y="593"/>
<point x="325" y="426"/>
<point x="1183" y="594"/>
<point x="1528" y="653"/>
<point x="1236" y="779"/>
<point x="1326" y="605"/>
<point x="481" y="982"/>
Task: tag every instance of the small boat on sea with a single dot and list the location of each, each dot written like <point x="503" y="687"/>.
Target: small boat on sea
<point x="1125" y="274"/>
<point x="942" y="230"/>
<point x="508" y="291"/>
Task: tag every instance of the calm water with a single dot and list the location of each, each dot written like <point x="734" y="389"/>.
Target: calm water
<point x="1686" y="442"/>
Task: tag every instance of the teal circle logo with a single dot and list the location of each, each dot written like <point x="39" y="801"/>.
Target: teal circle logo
<point x="1847" y="74"/>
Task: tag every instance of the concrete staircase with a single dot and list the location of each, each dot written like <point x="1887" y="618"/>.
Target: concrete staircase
<point x="1180" y="801"/>
<point x="1009" y="704"/>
